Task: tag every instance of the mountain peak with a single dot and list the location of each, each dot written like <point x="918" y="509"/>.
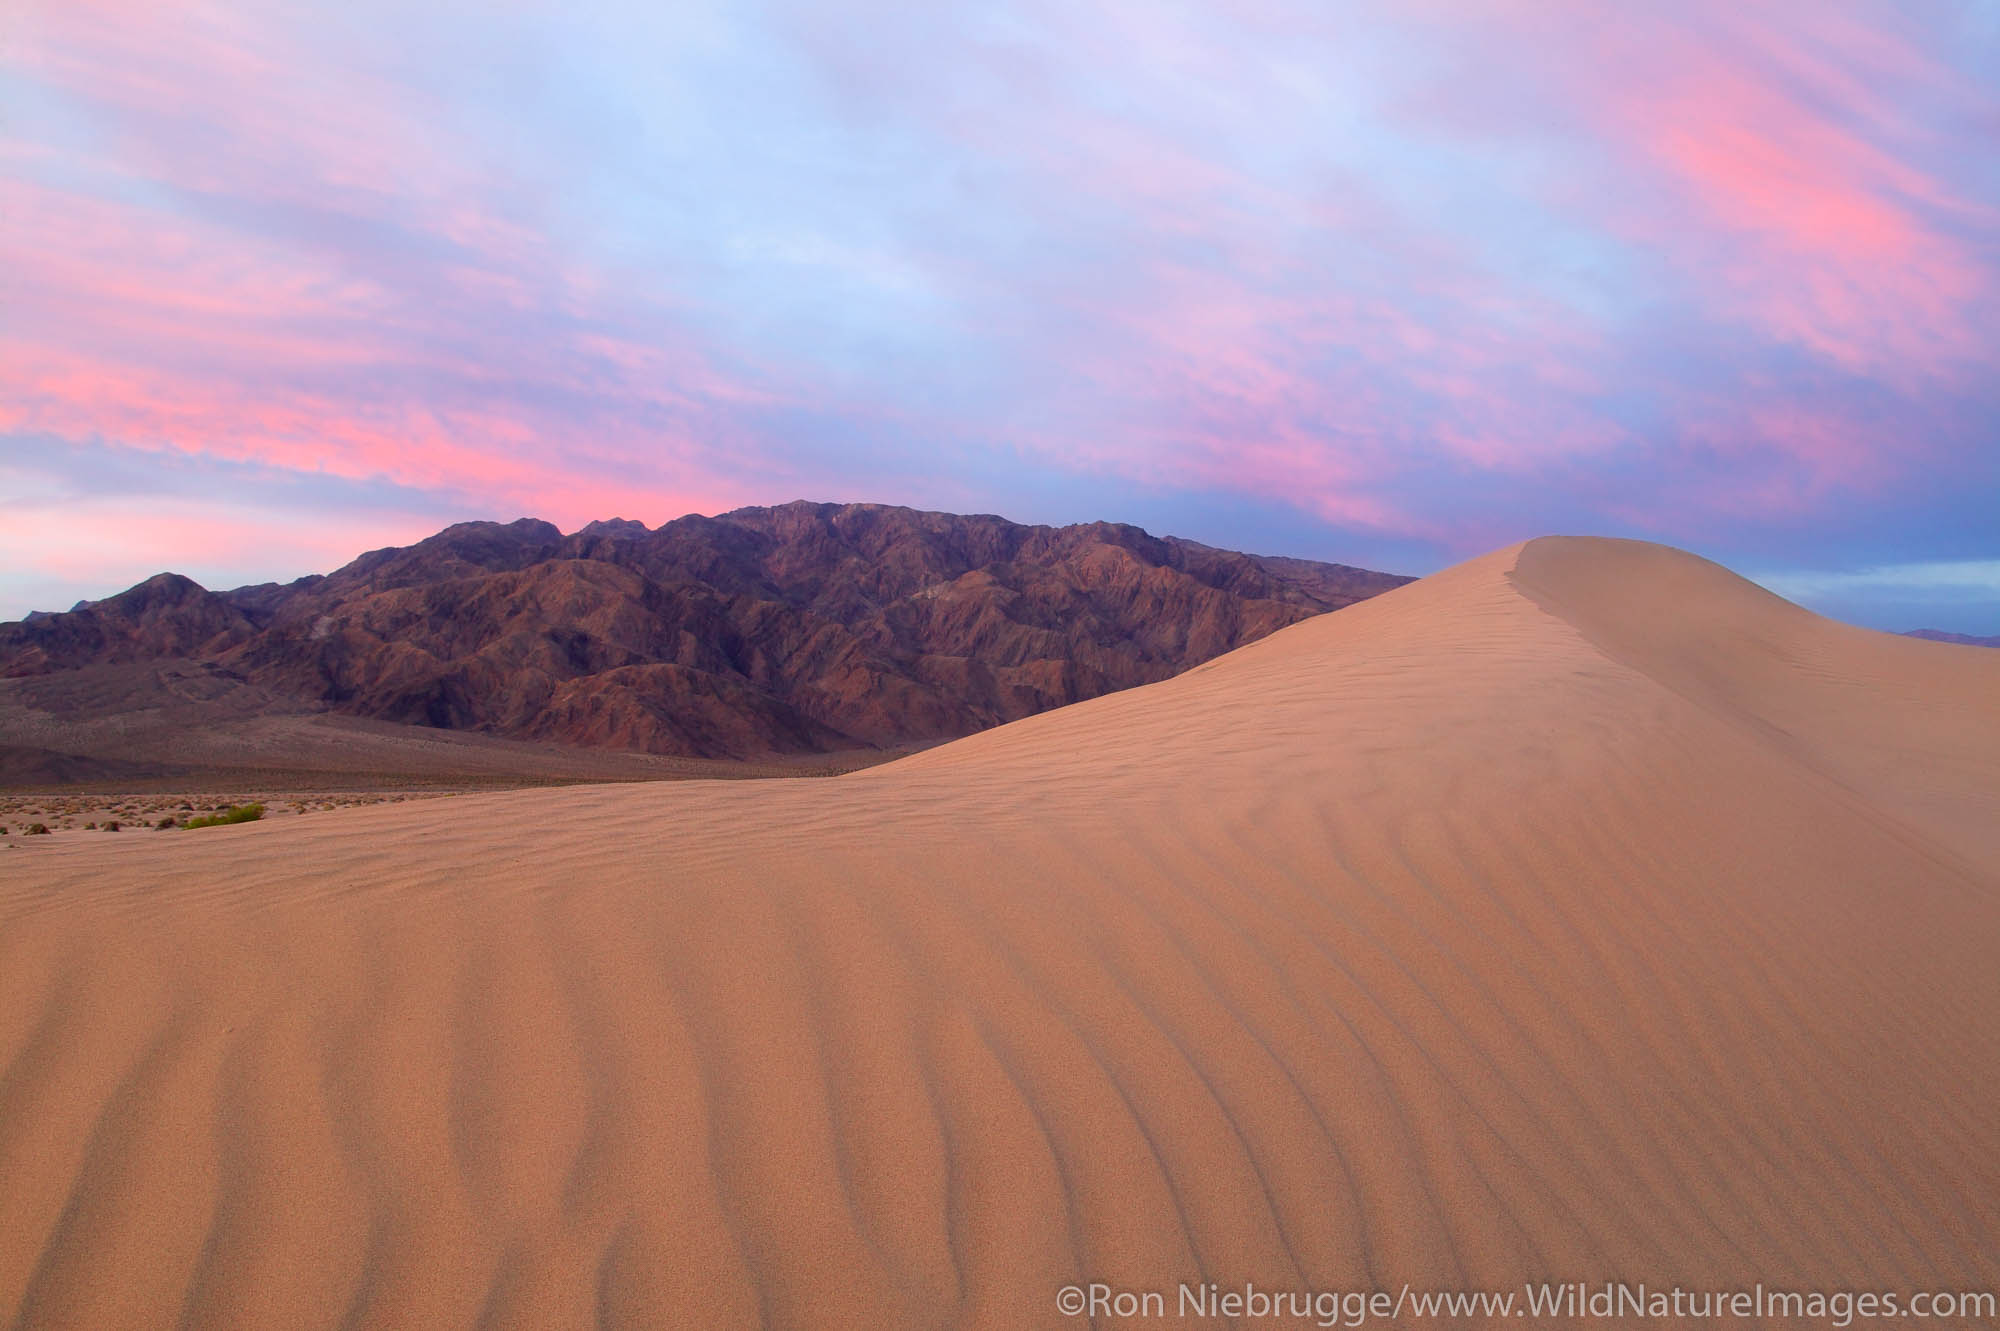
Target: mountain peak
<point x="621" y="528"/>
<point x="803" y="627"/>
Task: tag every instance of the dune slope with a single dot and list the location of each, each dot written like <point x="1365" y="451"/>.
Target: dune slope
<point x="1579" y="913"/>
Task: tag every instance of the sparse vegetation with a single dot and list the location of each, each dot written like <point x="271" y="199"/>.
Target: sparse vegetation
<point x="77" y="811"/>
<point x="241" y="813"/>
<point x="111" y="826"/>
<point x="37" y="829"/>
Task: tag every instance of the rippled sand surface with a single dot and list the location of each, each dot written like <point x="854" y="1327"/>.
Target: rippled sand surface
<point x="1582" y="912"/>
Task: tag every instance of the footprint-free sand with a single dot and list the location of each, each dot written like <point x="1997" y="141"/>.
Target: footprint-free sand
<point x="1580" y="913"/>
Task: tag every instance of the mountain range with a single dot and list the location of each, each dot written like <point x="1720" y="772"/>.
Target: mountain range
<point x="1962" y="639"/>
<point x="798" y="629"/>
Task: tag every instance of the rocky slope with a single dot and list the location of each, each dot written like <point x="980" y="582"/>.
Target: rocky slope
<point x="802" y="628"/>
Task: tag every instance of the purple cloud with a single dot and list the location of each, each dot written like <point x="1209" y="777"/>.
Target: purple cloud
<point x="1428" y="276"/>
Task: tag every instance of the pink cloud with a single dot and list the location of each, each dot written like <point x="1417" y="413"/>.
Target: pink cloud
<point x="1804" y="222"/>
<point x="112" y="543"/>
<point x="160" y="329"/>
<point x="1331" y="257"/>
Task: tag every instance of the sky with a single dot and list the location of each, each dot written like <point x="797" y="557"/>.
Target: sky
<point x="1387" y="282"/>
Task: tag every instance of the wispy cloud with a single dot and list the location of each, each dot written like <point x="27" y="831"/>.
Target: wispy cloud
<point x="1974" y="578"/>
<point x="1961" y="596"/>
<point x="1444" y="272"/>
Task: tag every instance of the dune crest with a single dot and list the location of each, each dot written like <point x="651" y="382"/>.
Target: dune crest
<point x="1580" y="912"/>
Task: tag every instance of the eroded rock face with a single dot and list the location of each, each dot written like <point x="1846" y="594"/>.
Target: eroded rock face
<point x="802" y="628"/>
<point x="167" y="615"/>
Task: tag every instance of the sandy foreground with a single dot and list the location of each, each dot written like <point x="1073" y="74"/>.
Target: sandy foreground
<point x="1580" y="913"/>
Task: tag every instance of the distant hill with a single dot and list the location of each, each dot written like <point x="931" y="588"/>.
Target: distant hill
<point x="806" y="628"/>
<point x="1963" y="639"/>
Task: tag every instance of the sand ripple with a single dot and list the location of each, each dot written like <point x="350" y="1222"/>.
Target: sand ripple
<point x="1581" y="912"/>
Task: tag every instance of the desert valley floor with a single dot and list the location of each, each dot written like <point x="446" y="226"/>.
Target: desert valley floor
<point x="1582" y="912"/>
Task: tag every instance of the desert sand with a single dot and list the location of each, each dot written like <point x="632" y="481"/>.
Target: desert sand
<point x="1581" y="912"/>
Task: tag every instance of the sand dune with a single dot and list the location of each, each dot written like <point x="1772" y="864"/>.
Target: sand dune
<point x="1582" y="912"/>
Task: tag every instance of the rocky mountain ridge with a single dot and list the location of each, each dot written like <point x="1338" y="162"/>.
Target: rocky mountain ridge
<point x="796" y="629"/>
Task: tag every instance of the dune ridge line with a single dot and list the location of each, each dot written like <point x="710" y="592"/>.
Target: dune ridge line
<point x="1581" y="912"/>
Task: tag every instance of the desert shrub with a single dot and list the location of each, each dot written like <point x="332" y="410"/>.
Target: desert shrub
<point x="37" y="829"/>
<point x="163" y="824"/>
<point x="242" y="813"/>
<point x="111" y="826"/>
